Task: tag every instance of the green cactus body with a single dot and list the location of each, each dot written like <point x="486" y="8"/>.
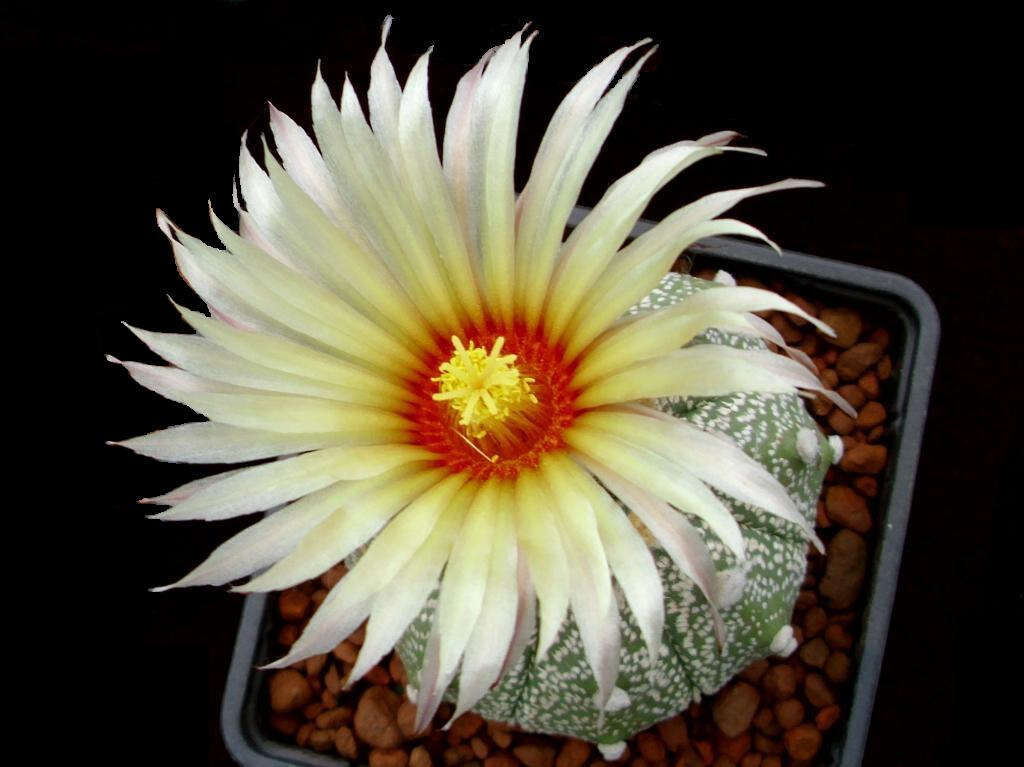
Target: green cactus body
<point x="556" y="695"/>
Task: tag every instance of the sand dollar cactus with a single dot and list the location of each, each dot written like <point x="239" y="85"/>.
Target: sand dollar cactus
<point x="434" y="376"/>
<point x="756" y="596"/>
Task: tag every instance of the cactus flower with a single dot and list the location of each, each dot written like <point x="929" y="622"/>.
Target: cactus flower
<point x="438" y="382"/>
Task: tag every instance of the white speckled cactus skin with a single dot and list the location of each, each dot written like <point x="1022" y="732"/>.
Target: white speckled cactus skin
<point x="557" y="695"/>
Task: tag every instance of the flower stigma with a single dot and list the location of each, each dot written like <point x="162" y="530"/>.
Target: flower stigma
<point x="483" y="388"/>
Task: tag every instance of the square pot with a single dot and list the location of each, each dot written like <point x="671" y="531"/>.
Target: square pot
<point x="915" y="345"/>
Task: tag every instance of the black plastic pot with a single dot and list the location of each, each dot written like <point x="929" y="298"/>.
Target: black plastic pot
<point x="903" y="305"/>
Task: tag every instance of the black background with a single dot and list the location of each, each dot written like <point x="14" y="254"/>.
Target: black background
<point x="120" y="111"/>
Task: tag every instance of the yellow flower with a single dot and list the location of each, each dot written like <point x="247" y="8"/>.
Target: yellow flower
<point x="449" y="384"/>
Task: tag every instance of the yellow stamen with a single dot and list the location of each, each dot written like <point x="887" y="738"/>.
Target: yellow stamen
<point x="483" y="388"/>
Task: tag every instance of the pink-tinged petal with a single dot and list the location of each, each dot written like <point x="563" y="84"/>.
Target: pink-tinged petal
<point x="567" y="151"/>
<point x="681" y="540"/>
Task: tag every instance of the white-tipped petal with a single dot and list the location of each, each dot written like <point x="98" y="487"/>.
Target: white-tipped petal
<point x="633" y="566"/>
<point x="660" y="477"/>
<point x="706" y="371"/>
<point x="593" y="243"/>
<point x="402" y="597"/>
<point x="570" y="144"/>
<point x="681" y="540"/>
<point x="418" y="147"/>
<point x="631" y="278"/>
<point x="492" y="635"/>
<point x="207" y="442"/>
<point x="545" y="556"/>
<point x="349" y="527"/>
<point x="266" y="541"/>
<point x="262" y="487"/>
<point x="712" y="458"/>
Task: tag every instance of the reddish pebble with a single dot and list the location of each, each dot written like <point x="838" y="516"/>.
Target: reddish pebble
<point x="755" y="670"/>
<point x="840" y="422"/>
<point x="853" y="362"/>
<point x="764" y="720"/>
<point x="838" y="638"/>
<point x="345" y="743"/>
<point x="332" y="576"/>
<point x="333" y="680"/>
<point x="789" y="332"/>
<point x="837" y="667"/>
<point x="815" y="621"/>
<point x="396" y="669"/>
<point x="866" y="486"/>
<point x="574" y="753"/>
<point x="853" y="394"/>
<point x="817" y="691"/>
<point x="789" y="713"/>
<point x="315" y="664"/>
<point x="771" y="761"/>
<point x="845" y="569"/>
<point x="346" y="651"/>
<point x="868" y="383"/>
<point x="287" y="635"/>
<point x="734" y="707"/>
<point x="871" y="415"/>
<point x="884" y="368"/>
<point x="847" y="508"/>
<point x="802" y="742"/>
<point x="406" y="719"/>
<point x="292" y="605"/>
<point x="827" y="717"/>
<point x="388" y="757"/>
<point x="333" y="719"/>
<point x="321" y="740"/>
<point x="502" y="738"/>
<point x="286" y="724"/>
<point x="377" y="675"/>
<point x="814" y="653"/>
<point x="780" y="681"/>
<point x="457" y="755"/>
<point x="821" y="406"/>
<point x="535" y="755"/>
<point x="375" y="718"/>
<point x="846" y="323"/>
<point x="464" y="727"/>
<point x="704" y="749"/>
<point x="501" y="759"/>
<point x="650" y="747"/>
<point x="480" y="747"/>
<point x="289" y="691"/>
<point x="752" y="760"/>
<point x="767" y="745"/>
<point x="358" y="636"/>
<point x="673" y="732"/>
<point x="734" y="748"/>
<point x="420" y="757"/>
<point x="302" y="736"/>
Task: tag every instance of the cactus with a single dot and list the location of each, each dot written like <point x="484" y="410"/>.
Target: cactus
<point x="556" y="695"/>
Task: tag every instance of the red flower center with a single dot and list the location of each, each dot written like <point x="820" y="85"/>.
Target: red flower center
<point x="532" y="430"/>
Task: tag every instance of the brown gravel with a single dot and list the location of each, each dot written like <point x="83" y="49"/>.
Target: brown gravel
<point x="845" y="566"/>
<point x="289" y="691"/>
<point x="777" y="713"/>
